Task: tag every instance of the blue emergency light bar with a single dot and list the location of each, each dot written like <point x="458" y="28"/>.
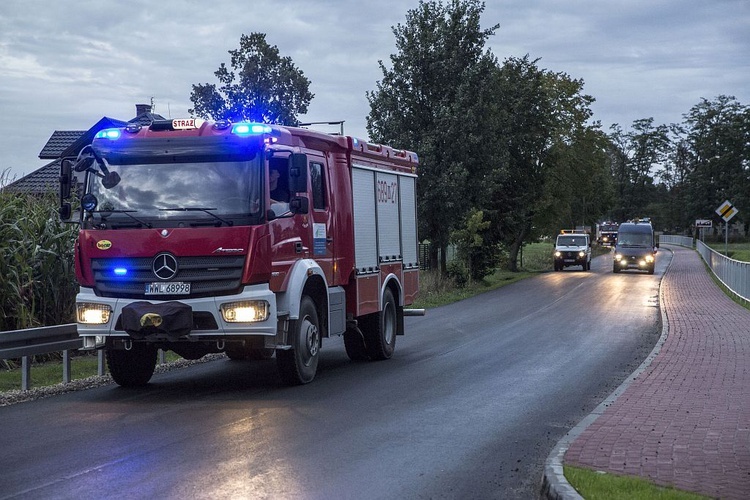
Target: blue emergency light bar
<point x="244" y="129"/>
<point x="109" y="133"/>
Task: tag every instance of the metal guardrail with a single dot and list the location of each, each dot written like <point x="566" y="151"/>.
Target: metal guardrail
<point x="734" y="274"/>
<point x="46" y="339"/>
<point x="684" y="241"/>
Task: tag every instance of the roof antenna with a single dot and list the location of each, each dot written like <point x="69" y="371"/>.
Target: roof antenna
<point x="153" y="106"/>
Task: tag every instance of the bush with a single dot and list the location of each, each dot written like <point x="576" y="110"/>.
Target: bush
<point x="458" y="273"/>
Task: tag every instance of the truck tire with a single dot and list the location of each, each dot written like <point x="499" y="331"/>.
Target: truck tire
<point x="615" y="269"/>
<point x="380" y="329"/>
<point x="134" y="367"/>
<point x="651" y="270"/>
<point x="354" y="343"/>
<point x="299" y="364"/>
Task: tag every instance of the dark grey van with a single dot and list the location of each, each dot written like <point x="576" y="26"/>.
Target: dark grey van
<point x="636" y="247"/>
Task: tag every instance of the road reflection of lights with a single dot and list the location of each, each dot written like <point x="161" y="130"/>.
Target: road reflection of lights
<point x="242" y="464"/>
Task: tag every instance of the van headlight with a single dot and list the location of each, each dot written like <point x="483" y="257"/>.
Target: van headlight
<point x="618" y="256"/>
<point x="88" y="313"/>
<point x="558" y="253"/>
<point x="649" y="258"/>
<point x="246" y="311"/>
<point x="581" y="254"/>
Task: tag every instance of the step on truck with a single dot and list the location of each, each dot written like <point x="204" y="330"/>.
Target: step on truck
<point x="250" y="239"/>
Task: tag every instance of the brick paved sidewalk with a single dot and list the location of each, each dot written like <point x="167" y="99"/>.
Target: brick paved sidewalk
<point x="685" y="421"/>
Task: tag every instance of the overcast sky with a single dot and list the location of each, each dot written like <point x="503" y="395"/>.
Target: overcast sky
<point x="66" y="64"/>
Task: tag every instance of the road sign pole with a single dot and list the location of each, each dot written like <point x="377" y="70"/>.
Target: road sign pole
<point x="726" y="238"/>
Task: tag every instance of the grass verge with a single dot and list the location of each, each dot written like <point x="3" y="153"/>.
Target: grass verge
<point x="593" y="485"/>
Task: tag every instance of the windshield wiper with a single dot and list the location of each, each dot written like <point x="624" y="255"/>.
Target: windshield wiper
<point x="199" y="209"/>
<point x="126" y="212"/>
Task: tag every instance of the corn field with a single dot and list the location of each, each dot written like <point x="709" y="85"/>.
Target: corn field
<point x="37" y="278"/>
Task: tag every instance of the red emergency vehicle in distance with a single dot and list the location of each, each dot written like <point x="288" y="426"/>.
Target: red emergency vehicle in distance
<point x="250" y="239"/>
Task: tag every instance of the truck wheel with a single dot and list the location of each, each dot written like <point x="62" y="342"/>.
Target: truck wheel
<point x="299" y="364"/>
<point x="354" y="343"/>
<point x="615" y="269"/>
<point x="380" y="329"/>
<point x="134" y="367"/>
<point x="651" y="270"/>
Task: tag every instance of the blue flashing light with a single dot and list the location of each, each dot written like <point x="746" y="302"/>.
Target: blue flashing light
<point x="121" y="271"/>
<point x="108" y="133"/>
<point x="245" y="129"/>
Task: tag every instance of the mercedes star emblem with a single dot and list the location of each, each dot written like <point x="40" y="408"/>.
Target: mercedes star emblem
<point x="165" y="266"/>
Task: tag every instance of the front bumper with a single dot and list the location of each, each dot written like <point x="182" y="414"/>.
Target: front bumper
<point x="642" y="262"/>
<point x="208" y="321"/>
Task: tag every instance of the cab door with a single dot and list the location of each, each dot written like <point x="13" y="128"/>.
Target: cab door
<point x="320" y="213"/>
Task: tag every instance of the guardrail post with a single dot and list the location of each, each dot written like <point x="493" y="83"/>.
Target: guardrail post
<point x="25" y="373"/>
<point x="66" y="366"/>
<point x="162" y="357"/>
<point x="100" y="362"/>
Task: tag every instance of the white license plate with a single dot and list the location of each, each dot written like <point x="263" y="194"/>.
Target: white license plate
<point x="168" y="288"/>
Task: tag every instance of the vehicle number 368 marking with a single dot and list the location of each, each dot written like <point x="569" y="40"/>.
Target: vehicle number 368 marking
<point x="387" y="192"/>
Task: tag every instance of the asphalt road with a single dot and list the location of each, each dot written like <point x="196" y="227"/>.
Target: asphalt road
<point x="474" y="399"/>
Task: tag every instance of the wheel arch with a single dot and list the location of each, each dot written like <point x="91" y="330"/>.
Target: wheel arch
<point x="305" y="278"/>
<point x="394" y="284"/>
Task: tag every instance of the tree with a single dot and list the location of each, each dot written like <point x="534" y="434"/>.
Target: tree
<point x="637" y="156"/>
<point x="549" y="150"/>
<point x="718" y="138"/>
<point x="434" y="100"/>
<point x="261" y="87"/>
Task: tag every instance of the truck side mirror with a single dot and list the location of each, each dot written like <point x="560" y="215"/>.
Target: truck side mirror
<point x="298" y="173"/>
<point x="66" y="167"/>
<point x="65" y="210"/>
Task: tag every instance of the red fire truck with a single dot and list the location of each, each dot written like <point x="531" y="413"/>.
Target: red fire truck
<point x="250" y="239"/>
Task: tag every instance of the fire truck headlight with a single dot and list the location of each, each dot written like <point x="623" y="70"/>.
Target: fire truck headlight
<point x="247" y="311"/>
<point x="93" y="314"/>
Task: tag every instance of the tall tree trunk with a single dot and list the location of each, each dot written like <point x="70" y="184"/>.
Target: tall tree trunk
<point x="515" y="247"/>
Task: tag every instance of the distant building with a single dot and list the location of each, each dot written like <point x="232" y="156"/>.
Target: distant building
<point x="67" y="144"/>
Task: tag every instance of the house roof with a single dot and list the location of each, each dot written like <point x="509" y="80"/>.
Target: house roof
<point x="40" y="181"/>
<point x="67" y="144"/>
<point x="57" y="143"/>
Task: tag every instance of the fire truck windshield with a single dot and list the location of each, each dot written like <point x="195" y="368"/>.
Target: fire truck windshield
<point x="181" y="191"/>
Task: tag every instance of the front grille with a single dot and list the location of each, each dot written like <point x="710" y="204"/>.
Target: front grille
<point x="208" y="276"/>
